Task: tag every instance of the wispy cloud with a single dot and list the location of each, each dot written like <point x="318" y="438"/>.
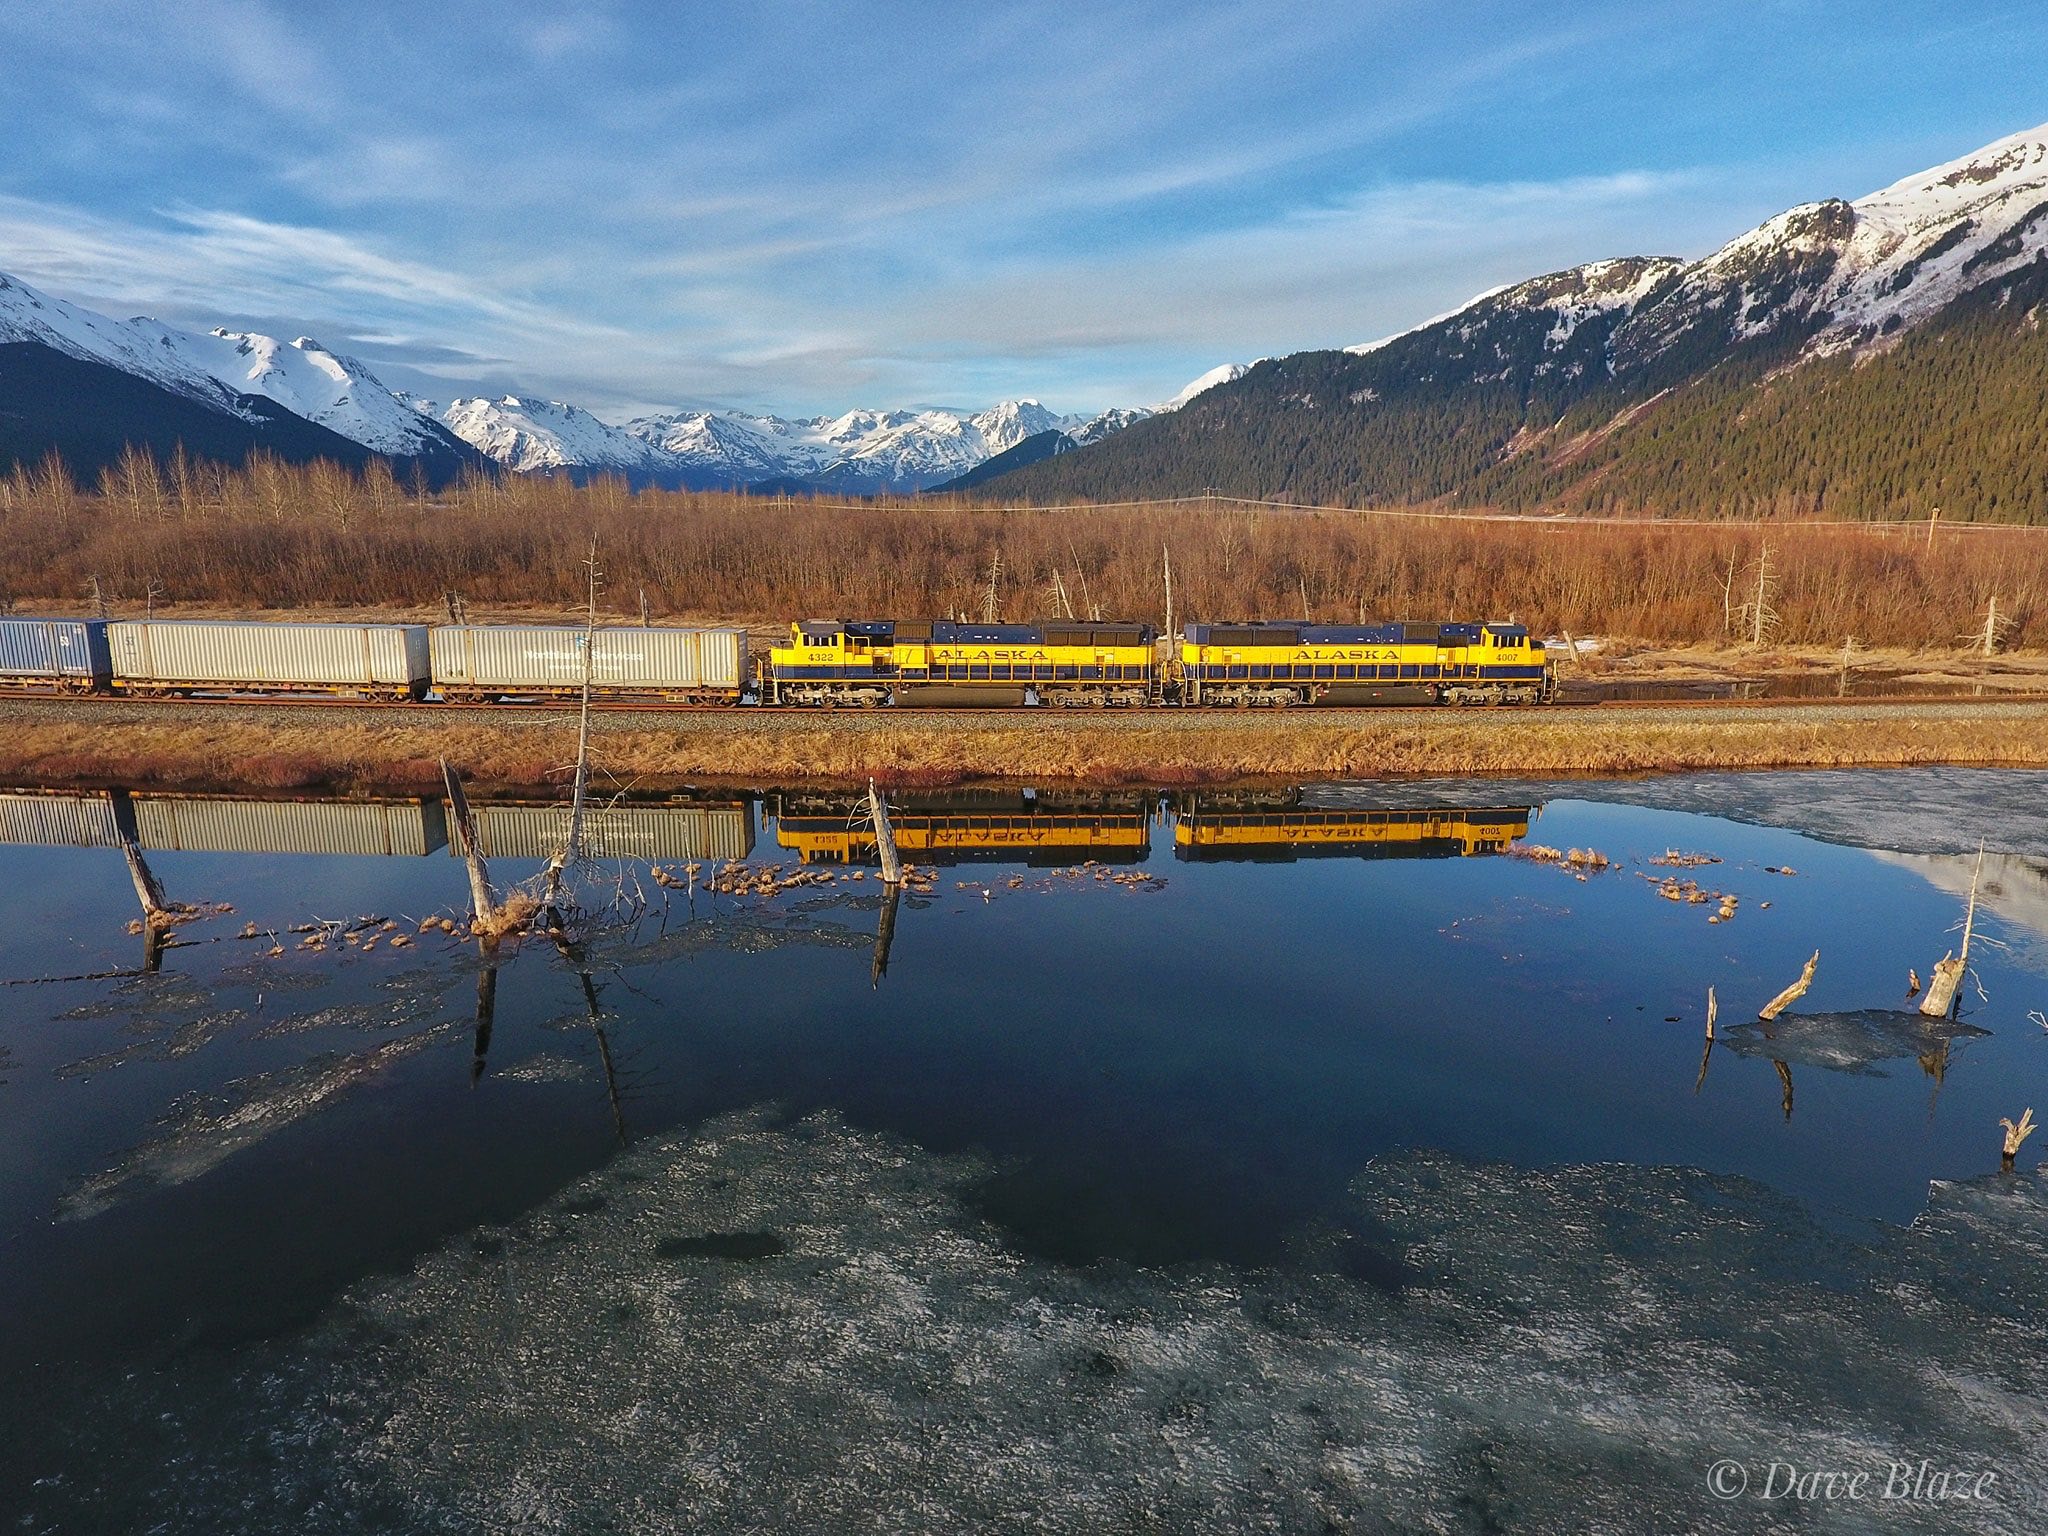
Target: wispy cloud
<point x="801" y="207"/>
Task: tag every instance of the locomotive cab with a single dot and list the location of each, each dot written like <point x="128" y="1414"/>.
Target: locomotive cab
<point x="830" y="662"/>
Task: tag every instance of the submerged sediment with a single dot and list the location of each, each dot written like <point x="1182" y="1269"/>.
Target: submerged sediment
<point x="775" y="1327"/>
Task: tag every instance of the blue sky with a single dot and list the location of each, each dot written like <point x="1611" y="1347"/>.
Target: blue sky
<point x="809" y="207"/>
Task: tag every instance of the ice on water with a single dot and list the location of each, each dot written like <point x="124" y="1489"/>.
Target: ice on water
<point x="768" y="1327"/>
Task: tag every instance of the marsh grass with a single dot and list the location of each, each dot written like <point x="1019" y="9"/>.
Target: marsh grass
<point x="277" y="750"/>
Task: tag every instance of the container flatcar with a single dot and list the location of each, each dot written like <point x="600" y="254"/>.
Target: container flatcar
<point x="1278" y="664"/>
<point x="65" y="654"/>
<point x="481" y="662"/>
<point x="157" y="656"/>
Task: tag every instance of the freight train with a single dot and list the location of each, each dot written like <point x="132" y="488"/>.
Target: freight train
<point x="827" y="663"/>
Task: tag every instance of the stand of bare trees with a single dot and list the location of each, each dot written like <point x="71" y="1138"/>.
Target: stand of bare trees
<point x="275" y="536"/>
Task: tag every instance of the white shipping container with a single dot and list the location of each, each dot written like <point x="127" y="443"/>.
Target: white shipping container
<point x="221" y="825"/>
<point x="510" y="658"/>
<point x="58" y="821"/>
<point x="660" y="833"/>
<point x="203" y="653"/>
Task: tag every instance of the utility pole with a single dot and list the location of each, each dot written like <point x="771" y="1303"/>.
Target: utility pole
<point x="1166" y="555"/>
<point x="1932" y="518"/>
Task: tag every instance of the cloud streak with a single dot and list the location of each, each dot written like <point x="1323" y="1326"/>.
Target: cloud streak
<point x="804" y="207"/>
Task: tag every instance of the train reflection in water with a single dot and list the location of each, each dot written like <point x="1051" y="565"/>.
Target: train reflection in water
<point x="1226" y="825"/>
<point x="1033" y="827"/>
<point x="1041" y="828"/>
<point x="1053" y="828"/>
<point x="674" y="830"/>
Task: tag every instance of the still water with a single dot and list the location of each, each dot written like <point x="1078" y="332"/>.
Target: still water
<point x="1192" y="1160"/>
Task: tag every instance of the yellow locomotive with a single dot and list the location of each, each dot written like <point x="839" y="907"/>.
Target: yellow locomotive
<point x="831" y="662"/>
<point x="1280" y="664"/>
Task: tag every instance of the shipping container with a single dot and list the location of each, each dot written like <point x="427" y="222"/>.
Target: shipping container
<point x="659" y="833"/>
<point x="472" y="660"/>
<point x="159" y="654"/>
<point x="58" y="821"/>
<point x="219" y="824"/>
<point x="69" y="653"/>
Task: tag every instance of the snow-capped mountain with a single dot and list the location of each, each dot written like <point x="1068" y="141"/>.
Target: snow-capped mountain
<point x="532" y="436"/>
<point x="735" y="449"/>
<point x="252" y="379"/>
<point x="1107" y="424"/>
<point x="1843" y="275"/>
<point x="1736" y="380"/>
<point x="1223" y="373"/>
<point x="859" y="452"/>
<point x="28" y="315"/>
<point x="305" y="378"/>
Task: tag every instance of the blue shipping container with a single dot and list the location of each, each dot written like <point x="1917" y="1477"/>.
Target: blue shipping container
<point x="67" y="651"/>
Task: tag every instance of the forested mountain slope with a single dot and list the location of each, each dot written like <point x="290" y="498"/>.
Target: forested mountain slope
<point x="1866" y="359"/>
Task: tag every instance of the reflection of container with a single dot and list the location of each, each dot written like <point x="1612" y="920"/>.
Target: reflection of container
<point x="160" y="654"/>
<point x="664" y="833"/>
<point x="57" y="821"/>
<point x="220" y="825"/>
<point x="524" y="659"/>
<point x="67" y="652"/>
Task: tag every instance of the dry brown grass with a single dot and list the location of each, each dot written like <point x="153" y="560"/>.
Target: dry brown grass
<point x="277" y="750"/>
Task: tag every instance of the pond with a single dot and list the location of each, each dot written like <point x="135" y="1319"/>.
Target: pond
<point x="1339" y="1156"/>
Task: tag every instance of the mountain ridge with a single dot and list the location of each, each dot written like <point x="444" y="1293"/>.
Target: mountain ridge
<point x="262" y="382"/>
<point x="1814" y="363"/>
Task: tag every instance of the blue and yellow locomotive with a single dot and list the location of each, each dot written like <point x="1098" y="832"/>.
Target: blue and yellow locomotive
<point x="1280" y="664"/>
<point x="831" y="662"/>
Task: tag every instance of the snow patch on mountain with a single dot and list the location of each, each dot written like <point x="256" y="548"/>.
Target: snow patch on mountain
<point x="29" y="315"/>
<point x="1106" y="424"/>
<point x="1846" y="275"/>
<point x="530" y="435"/>
<point x="221" y="367"/>
<point x="1223" y="373"/>
<point x="335" y="391"/>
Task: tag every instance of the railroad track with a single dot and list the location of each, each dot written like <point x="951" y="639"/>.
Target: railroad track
<point x="664" y="707"/>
